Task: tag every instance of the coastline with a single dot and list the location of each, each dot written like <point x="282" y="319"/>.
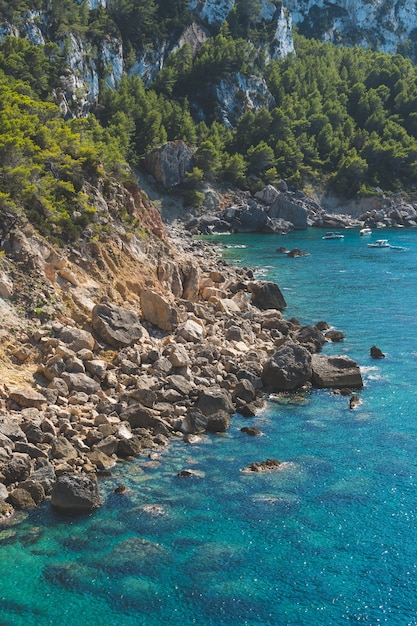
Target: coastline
<point x="211" y="341"/>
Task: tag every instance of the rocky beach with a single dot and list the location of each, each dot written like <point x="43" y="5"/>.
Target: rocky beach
<point x="112" y="349"/>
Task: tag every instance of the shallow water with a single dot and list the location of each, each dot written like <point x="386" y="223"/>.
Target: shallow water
<point x="328" y="539"/>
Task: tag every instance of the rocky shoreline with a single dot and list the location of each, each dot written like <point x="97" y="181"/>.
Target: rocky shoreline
<point x="177" y="361"/>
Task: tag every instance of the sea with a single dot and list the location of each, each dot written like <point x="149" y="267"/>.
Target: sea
<point x="328" y="539"/>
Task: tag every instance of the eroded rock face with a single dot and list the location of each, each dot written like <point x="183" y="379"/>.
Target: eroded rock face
<point x="335" y="372"/>
<point x="75" y="493"/>
<point x="170" y="163"/>
<point x="117" y="326"/>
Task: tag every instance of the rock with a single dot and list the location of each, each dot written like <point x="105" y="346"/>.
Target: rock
<point x="295" y="253"/>
<point x="311" y="338"/>
<point x="10" y="428"/>
<point x="3" y="492"/>
<point x="117" y="326"/>
<point x="17" y="469"/>
<point x="80" y="382"/>
<point x="191" y="330"/>
<point x="376" y="353"/>
<point x="77" y="339"/>
<point x="170" y="163"/>
<point x="335" y="372"/>
<point x="45" y="476"/>
<point x="6" y="285"/>
<point x="96" y="367"/>
<point x="268" y="194"/>
<point x="251" y="430"/>
<point x="269" y="465"/>
<point x="61" y="448"/>
<point x="100" y="460"/>
<point x="210" y="401"/>
<point x="21" y="499"/>
<point x="289" y="210"/>
<point x="191" y="282"/>
<point x="267" y="295"/>
<point x="158" y="311"/>
<point x="177" y="355"/>
<point x="288" y="369"/>
<point x="354" y="401"/>
<point x="334" y="335"/>
<point x="218" y="422"/>
<point x="129" y="447"/>
<point x="6" y="510"/>
<point x="142" y="417"/>
<point x="244" y="390"/>
<point x="194" y="422"/>
<point x="35" y="489"/>
<point x="27" y="397"/>
<point x="54" y="367"/>
<point x="190" y="473"/>
<point x="30" y="449"/>
<point x="75" y="493"/>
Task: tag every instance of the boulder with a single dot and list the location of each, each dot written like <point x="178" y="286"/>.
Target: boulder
<point x="267" y="295"/>
<point x="311" y="338"/>
<point x="117" y="326"/>
<point x="249" y="219"/>
<point x="75" y="493"/>
<point x="27" y="397"/>
<point x="77" y="339"/>
<point x="17" y="469"/>
<point x="139" y="416"/>
<point x="21" y="499"/>
<point x="218" y="422"/>
<point x="335" y="372"/>
<point x="376" y="353"/>
<point x="45" y="476"/>
<point x="212" y="400"/>
<point x="62" y="449"/>
<point x="158" y="311"/>
<point x="177" y="355"/>
<point x="288" y="369"/>
<point x="194" y="422"/>
<point x="80" y="382"/>
<point x="191" y="330"/>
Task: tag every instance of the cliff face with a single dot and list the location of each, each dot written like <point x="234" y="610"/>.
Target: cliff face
<point x="96" y="60"/>
<point x="382" y="25"/>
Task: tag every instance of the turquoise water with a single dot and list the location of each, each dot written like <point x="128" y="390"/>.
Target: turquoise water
<point x="330" y="539"/>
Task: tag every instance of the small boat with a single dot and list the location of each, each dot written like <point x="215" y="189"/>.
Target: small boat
<point x="333" y="235"/>
<point x="379" y="243"/>
<point x="365" y="231"/>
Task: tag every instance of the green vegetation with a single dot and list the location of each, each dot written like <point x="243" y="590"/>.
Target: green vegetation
<point x="344" y="118"/>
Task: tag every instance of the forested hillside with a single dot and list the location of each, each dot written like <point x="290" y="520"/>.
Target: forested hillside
<point x="343" y="118"/>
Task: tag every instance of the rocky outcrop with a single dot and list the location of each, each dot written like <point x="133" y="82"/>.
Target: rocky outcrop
<point x="335" y="372"/>
<point x="170" y="163"/>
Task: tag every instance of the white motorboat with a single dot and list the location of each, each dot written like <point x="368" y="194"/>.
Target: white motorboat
<point x="379" y="243"/>
<point x="365" y="231"/>
<point x="333" y="235"/>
